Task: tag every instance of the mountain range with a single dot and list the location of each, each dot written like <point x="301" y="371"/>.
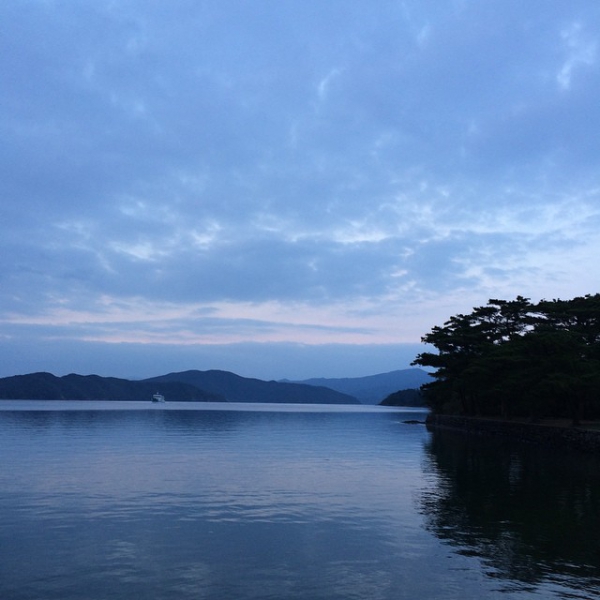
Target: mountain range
<point x="211" y="386"/>
<point x="372" y="389"/>
<point x="45" y="386"/>
<point x="243" y="389"/>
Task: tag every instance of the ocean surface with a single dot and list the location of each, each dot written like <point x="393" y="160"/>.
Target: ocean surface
<point x="128" y="500"/>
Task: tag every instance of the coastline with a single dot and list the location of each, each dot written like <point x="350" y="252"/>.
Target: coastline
<point x="551" y="433"/>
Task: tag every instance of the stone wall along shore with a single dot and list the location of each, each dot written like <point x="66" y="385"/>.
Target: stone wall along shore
<point x="571" y="437"/>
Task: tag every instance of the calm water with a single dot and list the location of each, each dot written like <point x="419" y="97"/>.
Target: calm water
<point x="109" y="501"/>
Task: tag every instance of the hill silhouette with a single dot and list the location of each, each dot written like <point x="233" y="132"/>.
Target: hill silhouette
<point x="45" y="386"/>
<point x="243" y="389"/>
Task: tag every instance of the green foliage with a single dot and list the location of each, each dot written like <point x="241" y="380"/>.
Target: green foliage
<point x="515" y="358"/>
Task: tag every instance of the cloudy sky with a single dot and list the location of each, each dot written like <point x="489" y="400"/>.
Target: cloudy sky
<point x="287" y="188"/>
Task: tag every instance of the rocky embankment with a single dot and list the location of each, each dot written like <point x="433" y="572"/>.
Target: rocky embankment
<point x="578" y="438"/>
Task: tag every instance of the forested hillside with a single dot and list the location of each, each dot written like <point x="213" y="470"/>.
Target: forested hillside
<point x="516" y="358"/>
<point x="45" y="386"/>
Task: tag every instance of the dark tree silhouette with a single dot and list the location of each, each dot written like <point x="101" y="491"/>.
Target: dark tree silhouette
<point x="515" y="358"/>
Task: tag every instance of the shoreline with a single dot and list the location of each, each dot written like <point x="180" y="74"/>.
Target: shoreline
<point x="585" y="439"/>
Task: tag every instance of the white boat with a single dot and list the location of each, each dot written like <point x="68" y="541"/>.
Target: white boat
<point x="158" y="398"/>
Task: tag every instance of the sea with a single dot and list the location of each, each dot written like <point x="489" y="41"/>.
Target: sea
<point x="203" y="501"/>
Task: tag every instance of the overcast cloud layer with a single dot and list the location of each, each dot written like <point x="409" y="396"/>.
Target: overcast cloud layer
<point x="270" y="177"/>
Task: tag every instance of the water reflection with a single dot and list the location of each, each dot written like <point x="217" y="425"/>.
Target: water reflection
<point x="531" y="514"/>
<point x="210" y="504"/>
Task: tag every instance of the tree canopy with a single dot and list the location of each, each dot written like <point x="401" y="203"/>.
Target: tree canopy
<point x="514" y="358"/>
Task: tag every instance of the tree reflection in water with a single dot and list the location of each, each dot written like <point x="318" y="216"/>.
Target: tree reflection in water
<point x="530" y="514"/>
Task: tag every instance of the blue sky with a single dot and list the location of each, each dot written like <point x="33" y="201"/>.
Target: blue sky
<point x="287" y="188"/>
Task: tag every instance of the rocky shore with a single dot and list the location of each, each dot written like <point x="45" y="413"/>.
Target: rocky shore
<point x="563" y="435"/>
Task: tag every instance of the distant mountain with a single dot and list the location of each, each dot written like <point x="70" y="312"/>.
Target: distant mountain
<point x="45" y="386"/>
<point x="374" y="388"/>
<point x="242" y="389"/>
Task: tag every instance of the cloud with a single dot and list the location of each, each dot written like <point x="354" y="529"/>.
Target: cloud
<point x="581" y="51"/>
<point x="224" y="172"/>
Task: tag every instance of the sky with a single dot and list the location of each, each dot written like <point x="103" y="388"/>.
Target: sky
<point x="287" y="188"/>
